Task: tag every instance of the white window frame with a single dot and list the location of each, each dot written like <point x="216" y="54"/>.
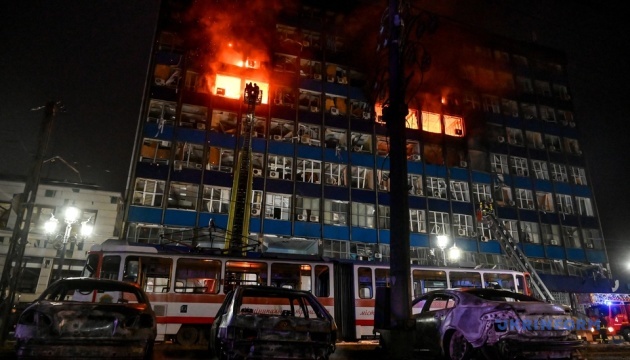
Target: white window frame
<point x="384" y="217"/>
<point x="309" y="170"/>
<point x="216" y="199"/>
<point x="578" y="175"/>
<point x="499" y="163"/>
<point x="436" y="188"/>
<point x="463" y="225"/>
<point x="307" y="208"/>
<point x="585" y="206"/>
<point x="416" y="187"/>
<point x="278" y="206"/>
<point x="336" y="212"/>
<point x="540" y="169"/>
<point x="481" y="192"/>
<point x="565" y="204"/>
<point x="531" y="234"/>
<point x="279" y="167"/>
<point x="335" y="174"/>
<point x="519" y="166"/>
<point x="363" y="215"/>
<point x="559" y="172"/>
<point x="524" y="198"/>
<point x="460" y="191"/>
<point x="417" y="221"/>
<point x="362" y="178"/>
<point x="149" y="192"/>
<point x="439" y="222"/>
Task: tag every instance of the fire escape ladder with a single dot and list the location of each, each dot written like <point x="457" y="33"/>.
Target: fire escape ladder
<point x="513" y="252"/>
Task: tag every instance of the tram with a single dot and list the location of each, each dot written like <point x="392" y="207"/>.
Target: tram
<point x="187" y="287"/>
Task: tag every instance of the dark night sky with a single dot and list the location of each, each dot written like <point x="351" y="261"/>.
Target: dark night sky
<point x="92" y="56"/>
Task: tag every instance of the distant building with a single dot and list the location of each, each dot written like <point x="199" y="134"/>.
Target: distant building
<point x="490" y="119"/>
<point x="43" y="252"/>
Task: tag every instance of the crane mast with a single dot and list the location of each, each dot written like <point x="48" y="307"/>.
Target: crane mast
<point x="238" y="220"/>
<point x="512" y="251"/>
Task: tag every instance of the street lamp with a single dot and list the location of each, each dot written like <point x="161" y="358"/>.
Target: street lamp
<point x="442" y="242"/>
<point x="454" y="253"/>
<point x="71" y="217"/>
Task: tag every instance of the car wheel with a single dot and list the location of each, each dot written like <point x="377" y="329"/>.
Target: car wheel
<point x="187" y="335"/>
<point x="458" y="347"/>
<point x="625" y="332"/>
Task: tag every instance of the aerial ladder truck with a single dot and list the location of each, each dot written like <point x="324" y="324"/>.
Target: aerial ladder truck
<point x="237" y="233"/>
<point x="511" y="249"/>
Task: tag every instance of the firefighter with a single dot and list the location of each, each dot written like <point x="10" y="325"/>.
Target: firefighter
<point x="603" y="329"/>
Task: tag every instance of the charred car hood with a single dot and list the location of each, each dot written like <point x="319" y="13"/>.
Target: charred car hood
<point x="45" y="320"/>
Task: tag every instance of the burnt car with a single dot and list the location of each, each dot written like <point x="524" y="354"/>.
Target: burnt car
<point x="87" y="318"/>
<point x="269" y="322"/>
<point x="495" y="324"/>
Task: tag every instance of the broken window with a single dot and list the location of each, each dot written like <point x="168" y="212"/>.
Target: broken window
<point x="277" y="206"/>
<point x="439" y="223"/>
<point x="362" y="178"/>
<point x="220" y="159"/>
<point x="335" y="174"/>
<point x="417" y="221"/>
<point x="182" y="196"/>
<point x="148" y="192"/>
<point x="193" y="116"/>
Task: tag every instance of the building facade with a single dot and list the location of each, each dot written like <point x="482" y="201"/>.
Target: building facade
<point x="489" y="120"/>
<point x="42" y="255"/>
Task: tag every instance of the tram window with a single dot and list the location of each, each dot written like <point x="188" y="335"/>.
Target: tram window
<point x="91" y="264"/>
<point x="322" y="281"/>
<point x="382" y="277"/>
<point x="427" y="280"/>
<point x="155" y="274"/>
<point x="130" y="272"/>
<point x="521" y="285"/>
<point x="110" y="267"/>
<point x="197" y="276"/>
<point x="364" y="283"/>
<point x="291" y="276"/>
<point x="244" y="273"/>
<point x="465" y="279"/>
<point x="499" y="281"/>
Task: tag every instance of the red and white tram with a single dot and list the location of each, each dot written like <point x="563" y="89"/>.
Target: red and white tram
<point x="186" y="287"/>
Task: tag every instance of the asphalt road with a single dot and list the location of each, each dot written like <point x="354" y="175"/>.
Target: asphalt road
<point x="353" y="351"/>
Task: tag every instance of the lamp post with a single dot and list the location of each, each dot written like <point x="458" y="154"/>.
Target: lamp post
<point x="454" y="253"/>
<point x="71" y="217"/>
<point x="442" y="242"/>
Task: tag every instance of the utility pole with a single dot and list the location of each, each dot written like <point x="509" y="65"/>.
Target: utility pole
<point x="394" y="114"/>
<point x="17" y="245"/>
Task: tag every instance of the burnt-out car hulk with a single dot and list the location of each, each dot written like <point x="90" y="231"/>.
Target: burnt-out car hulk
<point x="268" y="322"/>
<point x="495" y="324"/>
<point x="81" y="318"/>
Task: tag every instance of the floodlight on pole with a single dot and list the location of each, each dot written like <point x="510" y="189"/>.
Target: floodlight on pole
<point x="442" y="242"/>
<point x="454" y="253"/>
<point x="71" y="217"/>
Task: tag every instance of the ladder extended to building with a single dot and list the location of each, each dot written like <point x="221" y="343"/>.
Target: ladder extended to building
<point x="511" y="249"/>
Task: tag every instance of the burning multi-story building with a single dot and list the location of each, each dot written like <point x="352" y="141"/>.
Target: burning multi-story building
<point x="489" y="120"/>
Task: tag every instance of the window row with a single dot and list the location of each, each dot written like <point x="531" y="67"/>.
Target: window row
<point x="539" y="169"/>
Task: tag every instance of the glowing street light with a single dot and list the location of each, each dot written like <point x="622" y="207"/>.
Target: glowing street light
<point x="454" y="253"/>
<point x="442" y="242"/>
<point x="71" y="217"/>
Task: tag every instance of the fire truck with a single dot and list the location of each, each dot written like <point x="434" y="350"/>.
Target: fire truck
<point x="612" y="310"/>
